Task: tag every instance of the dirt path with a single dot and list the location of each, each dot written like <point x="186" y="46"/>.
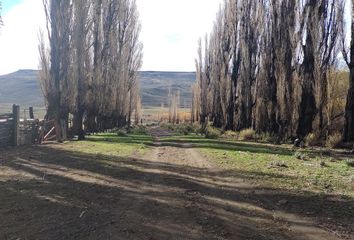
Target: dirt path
<point x="172" y="193"/>
<point x="277" y="225"/>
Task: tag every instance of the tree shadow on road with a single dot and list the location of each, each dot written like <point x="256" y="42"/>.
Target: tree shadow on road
<point x="51" y="193"/>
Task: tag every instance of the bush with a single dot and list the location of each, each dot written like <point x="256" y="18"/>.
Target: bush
<point x="186" y="128"/>
<point x="312" y="139"/>
<point x="231" y="134"/>
<point x="182" y="129"/>
<point x="334" y="140"/>
<point x="323" y="163"/>
<point x="197" y="128"/>
<point x="300" y="155"/>
<point x="168" y="126"/>
<point x="121" y="133"/>
<point x="325" y="152"/>
<point x="269" y="138"/>
<point x="212" y="133"/>
<point x="138" y="130"/>
<point x="277" y="164"/>
<point x="350" y="162"/>
<point x="247" y="135"/>
<point x="114" y="130"/>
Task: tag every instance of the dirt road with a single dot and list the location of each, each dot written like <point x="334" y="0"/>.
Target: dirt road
<point x="171" y="193"/>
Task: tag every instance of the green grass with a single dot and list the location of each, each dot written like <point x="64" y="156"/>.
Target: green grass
<point x="259" y="162"/>
<point x="110" y="144"/>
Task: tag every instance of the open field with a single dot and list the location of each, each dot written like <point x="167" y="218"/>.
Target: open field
<point x="170" y="187"/>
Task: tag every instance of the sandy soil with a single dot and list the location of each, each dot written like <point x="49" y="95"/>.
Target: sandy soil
<point x="174" y="192"/>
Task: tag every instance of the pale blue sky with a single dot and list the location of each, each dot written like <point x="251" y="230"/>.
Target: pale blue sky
<point x="170" y="32"/>
<point x="8" y="4"/>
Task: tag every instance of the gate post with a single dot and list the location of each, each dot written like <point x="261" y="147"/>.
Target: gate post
<point x="31" y="114"/>
<point x="16" y="116"/>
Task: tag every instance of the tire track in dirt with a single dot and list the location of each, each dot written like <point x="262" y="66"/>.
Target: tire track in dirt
<point x="196" y="210"/>
<point x="281" y="226"/>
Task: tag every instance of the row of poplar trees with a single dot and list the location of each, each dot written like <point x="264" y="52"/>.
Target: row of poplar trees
<point x="90" y="56"/>
<point x="267" y="65"/>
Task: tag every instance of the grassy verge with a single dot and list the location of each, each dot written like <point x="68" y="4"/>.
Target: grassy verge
<point x="111" y="144"/>
<point x="277" y="166"/>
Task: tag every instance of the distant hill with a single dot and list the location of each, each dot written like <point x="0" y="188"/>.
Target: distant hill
<point x="155" y="87"/>
<point x="22" y="87"/>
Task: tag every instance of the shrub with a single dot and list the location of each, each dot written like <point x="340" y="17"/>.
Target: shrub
<point x="212" y="133"/>
<point x="197" y="128"/>
<point x="121" y="133"/>
<point x="277" y="164"/>
<point x="231" y="134"/>
<point x="334" y="140"/>
<point x="323" y="163"/>
<point x="182" y="129"/>
<point x="269" y="138"/>
<point x="185" y="128"/>
<point x="300" y="155"/>
<point x="168" y="126"/>
<point x="325" y="152"/>
<point x="247" y="135"/>
<point x="114" y="130"/>
<point x="312" y="139"/>
<point x="138" y="130"/>
<point x="350" y="162"/>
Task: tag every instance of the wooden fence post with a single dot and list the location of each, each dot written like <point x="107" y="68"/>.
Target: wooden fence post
<point x="16" y="116"/>
<point x="31" y="114"/>
<point x="63" y="129"/>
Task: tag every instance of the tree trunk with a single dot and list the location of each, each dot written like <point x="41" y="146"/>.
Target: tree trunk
<point x="349" y="110"/>
<point x="78" y="124"/>
<point x="307" y="111"/>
